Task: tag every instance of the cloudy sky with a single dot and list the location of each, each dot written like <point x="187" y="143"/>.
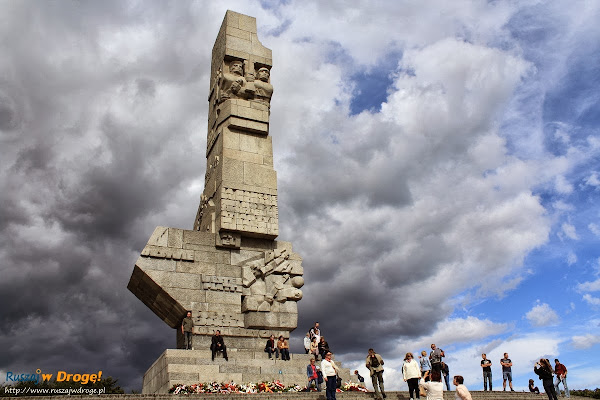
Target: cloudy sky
<point x="438" y="168"/>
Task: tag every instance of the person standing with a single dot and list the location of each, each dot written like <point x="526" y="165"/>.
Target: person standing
<point x="218" y="344"/>
<point x="374" y="363"/>
<point x="462" y="393"/>
<point x="486" y="366"/>
<point x="446" y="375"/>
<point x="561" y="376"/>
<point x="315" y="332"/>
<point x="307" y="343"/>
<point x="187" y="329"/>
<point x="543" y="369"/>
<point x="436" y="356"/>
<point x="314" y="349"/>
<point x="506" y="372"/>
<point x="312" y="371"/>
<point x="411" y="372"/>
<point x="329" y="370"/>
<point x="434" y="388"/>
<point x="425" y="365"/>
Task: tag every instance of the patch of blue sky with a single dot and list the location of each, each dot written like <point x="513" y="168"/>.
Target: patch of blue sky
<point x="373" y="85"/>
<point x="279" y="29"/>
<point x="273" y="4"/>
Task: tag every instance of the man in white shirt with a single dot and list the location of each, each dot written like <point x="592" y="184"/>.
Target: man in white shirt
<point x="329" y="371"/>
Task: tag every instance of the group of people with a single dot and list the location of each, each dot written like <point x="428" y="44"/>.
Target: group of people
<point x="280" y="347"/>
<point x="546" y="373"/>
<point x="315" y="343"/>
<point x="542" y="368"/>
<point x="423" y="376"/>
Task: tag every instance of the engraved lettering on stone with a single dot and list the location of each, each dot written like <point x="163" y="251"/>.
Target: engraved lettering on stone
<point x="216" y="319"/>
<point x="245" y="210"/>
<point x="222" y="284"/>
<point x="166" y="252"/>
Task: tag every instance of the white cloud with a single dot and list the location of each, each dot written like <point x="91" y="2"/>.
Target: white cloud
<point x="563" y="186"/>
<point x="591" y="300"/>
<point x="594" y="228"/>
<point x="542" y="315"/>
<point x="591" y="286"/>
<point x="569" y="231"/>
<point x="454" y="330"/>
<point x="585" y="341"/>
<point x="593" y="180"/>
<point x="571" y="258"/>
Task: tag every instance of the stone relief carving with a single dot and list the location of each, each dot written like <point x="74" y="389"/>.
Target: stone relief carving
<point x="269" y="278"/>
<point x="234" y="85"/>
<point x="263" y="89"/>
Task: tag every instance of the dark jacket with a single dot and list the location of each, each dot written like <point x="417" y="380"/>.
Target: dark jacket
<point x="270" y="344"/>
<point x="543" y="372"/>
<point x="217" y="340"/>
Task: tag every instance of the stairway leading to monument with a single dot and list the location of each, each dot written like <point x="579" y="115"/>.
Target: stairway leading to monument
<point x="189" y="367"/>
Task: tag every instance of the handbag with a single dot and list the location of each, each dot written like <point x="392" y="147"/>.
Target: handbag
<point x="319" y="377"/>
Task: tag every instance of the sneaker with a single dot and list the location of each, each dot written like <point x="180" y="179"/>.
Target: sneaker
<point x="512" y="390"/>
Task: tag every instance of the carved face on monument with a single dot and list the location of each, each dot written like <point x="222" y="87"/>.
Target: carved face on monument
<point x="263" y="74"/>
<point x="236" y="68"/>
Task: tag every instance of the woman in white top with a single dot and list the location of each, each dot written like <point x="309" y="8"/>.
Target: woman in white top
<point x="434" y="388"/>
<point x="411" y="371"/>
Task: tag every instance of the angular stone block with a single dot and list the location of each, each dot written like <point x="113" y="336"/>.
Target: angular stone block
<point x="259" y="176"/>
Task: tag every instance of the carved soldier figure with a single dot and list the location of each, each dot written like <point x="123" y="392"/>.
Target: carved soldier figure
<point x="232" y="84"/>
<point x="263" y="89"/>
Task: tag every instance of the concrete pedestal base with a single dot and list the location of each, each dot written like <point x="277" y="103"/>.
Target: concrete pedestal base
<point x="188" y="367"/>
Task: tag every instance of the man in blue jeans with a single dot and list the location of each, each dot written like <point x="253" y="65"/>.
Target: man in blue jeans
<point x="561" y="376"/>
<point x="486" y="366"/>
<point x="329" y="370"/>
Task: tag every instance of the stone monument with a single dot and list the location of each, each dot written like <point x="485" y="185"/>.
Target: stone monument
<point x="229" y="271"/>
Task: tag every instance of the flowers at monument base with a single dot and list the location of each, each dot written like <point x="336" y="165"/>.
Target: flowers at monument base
<point x="249" y="388"/>
<point x="353" y="387"/>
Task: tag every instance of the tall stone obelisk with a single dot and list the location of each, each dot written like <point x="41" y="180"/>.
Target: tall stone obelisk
<point x="240" y="191"/>
<point x="229" y="271"/>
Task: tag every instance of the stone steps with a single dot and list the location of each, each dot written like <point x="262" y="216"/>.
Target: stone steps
<point x="189" y="367"/>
